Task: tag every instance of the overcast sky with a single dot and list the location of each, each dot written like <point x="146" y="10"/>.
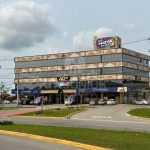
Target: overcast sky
<point x="38" y="27"/>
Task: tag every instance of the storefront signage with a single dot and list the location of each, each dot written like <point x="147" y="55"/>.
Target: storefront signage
<point x="122" y="89"/>
<point x="63" y="84"/>
<point x="107" y="42"/>
<point x="134" y="89"/>
<point x="111" y="89"/>
<point x="13" y="91"/>
<point x="138" y="78"/>
<point x="63" y="78"/>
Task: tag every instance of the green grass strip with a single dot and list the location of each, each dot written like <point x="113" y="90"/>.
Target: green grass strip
<point x="141" y="112"/>
<point x="54" y="112"/>
<point x="116" y="140"/>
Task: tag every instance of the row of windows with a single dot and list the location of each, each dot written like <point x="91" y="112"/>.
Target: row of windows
<point x="82" y="60"/>
<point x="102" y="71"/>
<point x="136" y="60"/>
<point x="83" y="84"/>
<point x="72" y="85"/>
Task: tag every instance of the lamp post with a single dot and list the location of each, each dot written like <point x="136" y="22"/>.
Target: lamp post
<point x="17" y="93"/>
<point x="77" y="92"/>
<point x="149" y="83"/>
<point x="18" y="87"/>
<point x="2" y="86"/>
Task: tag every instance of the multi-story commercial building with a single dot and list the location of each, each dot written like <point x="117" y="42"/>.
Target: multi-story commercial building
<point x="107" y="71"/>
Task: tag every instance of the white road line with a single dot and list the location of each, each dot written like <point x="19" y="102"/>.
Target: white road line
<point x="112" y="121"/>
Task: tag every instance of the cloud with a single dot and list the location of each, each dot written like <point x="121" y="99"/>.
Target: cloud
<point x="84" y="40"/>
<point x="23" y="24"/>
<point x="130" y="27"/>
<point x="65" y="34"/>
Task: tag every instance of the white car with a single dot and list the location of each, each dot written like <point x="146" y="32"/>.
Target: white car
<point x="14" y="101"/>
<point x="93" y="102"/>
<point x="68" y="101"/>
<point x="6" y="102"/>
<point x="111" y="102"/>
<point x="141" y="102"/>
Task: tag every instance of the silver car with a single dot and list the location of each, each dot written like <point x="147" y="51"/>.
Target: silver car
<point x="141" y="102"/>
<point x="93" y="102"/>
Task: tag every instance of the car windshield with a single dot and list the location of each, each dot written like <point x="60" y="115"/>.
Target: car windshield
<point x="38" y="98"/>
<point x="92" y="100"/>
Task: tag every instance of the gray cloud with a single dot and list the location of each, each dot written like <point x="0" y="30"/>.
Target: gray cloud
<point x="23" y="24"/>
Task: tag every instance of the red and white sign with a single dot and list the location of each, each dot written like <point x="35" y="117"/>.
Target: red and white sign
<point x="63" y="84"/>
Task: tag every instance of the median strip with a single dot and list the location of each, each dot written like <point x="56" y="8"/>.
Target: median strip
<point x="59" y="141"/>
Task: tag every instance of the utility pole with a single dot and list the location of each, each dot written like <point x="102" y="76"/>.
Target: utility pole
<point x="77" y="92"/>
<point x="2" y="86"/>
<point x="17" y="93"/>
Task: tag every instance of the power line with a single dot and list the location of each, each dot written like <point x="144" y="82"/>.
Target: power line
<point x="136" y="41"/>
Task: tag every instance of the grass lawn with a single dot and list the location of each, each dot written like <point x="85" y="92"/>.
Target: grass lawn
<point x="54" y="112"/>
<point x="141" y="112"/>
<point x="116" y="140"/>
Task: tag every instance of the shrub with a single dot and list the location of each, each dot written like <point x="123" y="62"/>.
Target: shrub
<point x="5" y="122"/>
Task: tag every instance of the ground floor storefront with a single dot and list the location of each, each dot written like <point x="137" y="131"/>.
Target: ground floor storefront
<point x="120" y="94"/>
<point x="85" y="95"/>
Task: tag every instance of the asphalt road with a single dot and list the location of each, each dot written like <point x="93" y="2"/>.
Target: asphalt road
<point x="101" y="117"/>
<point x="9" y="142"/>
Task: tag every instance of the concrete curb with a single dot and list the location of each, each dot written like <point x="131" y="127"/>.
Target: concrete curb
<point x="67" y="117"/>
<point x="59" y="141"/>
<point x="137" y="117"/>
<point x="38" y="117"/>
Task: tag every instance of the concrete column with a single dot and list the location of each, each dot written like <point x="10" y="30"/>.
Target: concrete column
<point x="50" y="98"/>
<point x="121" y="98"/>
<point x="136" y="96"/>
<point x="65" y="96"/>
<point x="102" y="95"/>
<point x="128" y="100"/>
<point x="81" y="96"/>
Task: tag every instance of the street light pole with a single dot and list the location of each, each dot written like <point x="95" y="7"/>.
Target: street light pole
<point x="77" y="92"/>
<point x="17" y="93"/>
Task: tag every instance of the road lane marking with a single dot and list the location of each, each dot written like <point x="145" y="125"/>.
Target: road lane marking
<point x="112" y="121"/>
<point x="101" y="117"/>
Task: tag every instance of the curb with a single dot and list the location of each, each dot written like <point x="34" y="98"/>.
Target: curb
<point x="38" y="117"/>
<point x="68" y="117"/>
<point x="137" y="117"/>
<point x="59" y="141"/>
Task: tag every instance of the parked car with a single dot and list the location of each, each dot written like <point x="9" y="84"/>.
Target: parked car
<point x="38" y="101"/>
<point x="86" y="100"/>
<point x="93" y="102"/>
<point x="111" y="102"/>
<point x="31" y="102"/>
<point x="102" y="102"/>
<point x="68" y="101"/>
<point x="141" y="102"/>
<point x="14" y="101"/>
<point x="26" y="102"/>
<point x="6" y="102"/>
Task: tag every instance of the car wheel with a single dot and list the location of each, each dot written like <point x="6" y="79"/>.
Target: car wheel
<point x="134" y="103"/>
<point x="143" y="104"/>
